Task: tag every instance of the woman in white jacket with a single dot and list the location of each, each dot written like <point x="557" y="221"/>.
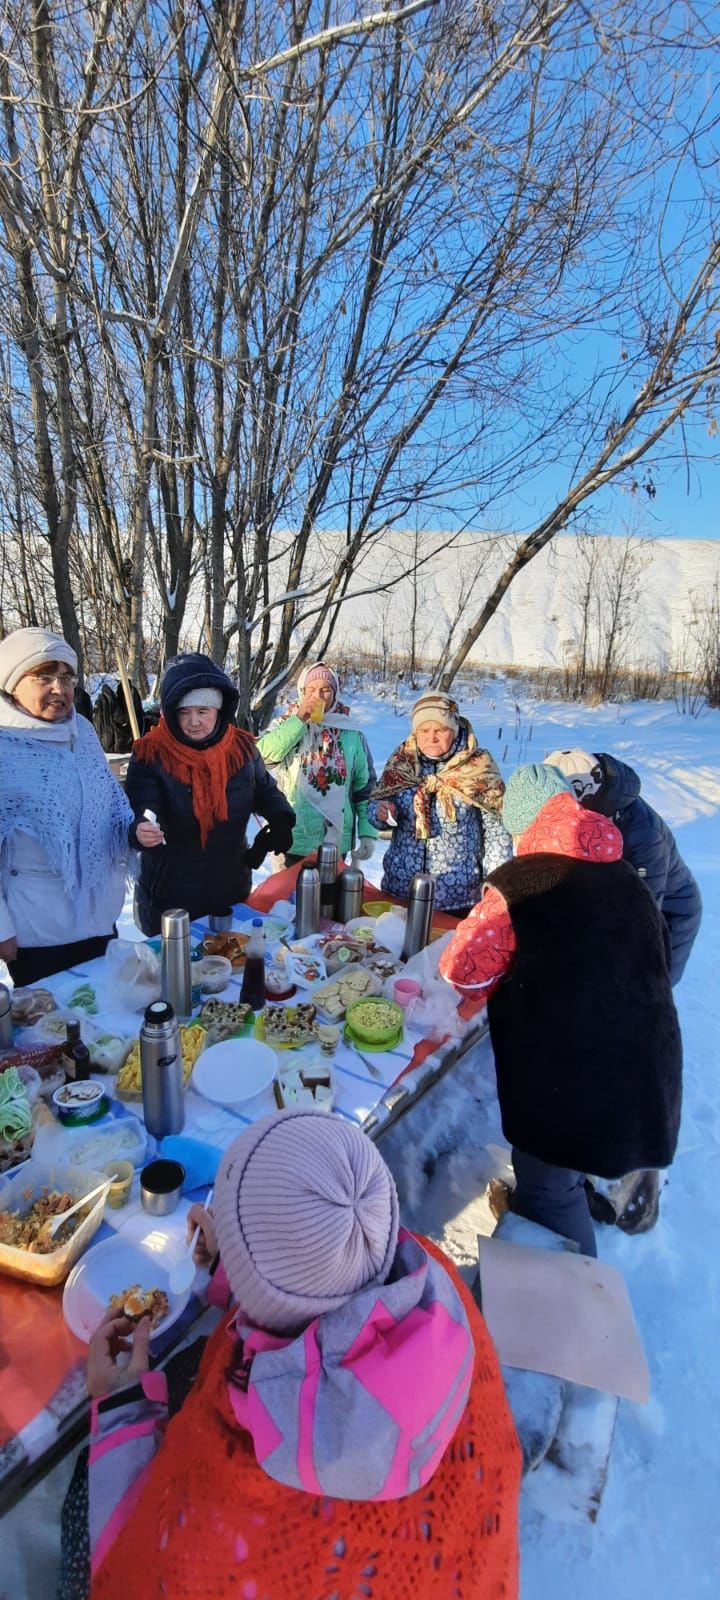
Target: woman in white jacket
<point x="64" y="820"/>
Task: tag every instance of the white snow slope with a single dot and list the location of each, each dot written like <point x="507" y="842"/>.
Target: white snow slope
<point x="538" y="623"/>
<point x="658" y="1530"/>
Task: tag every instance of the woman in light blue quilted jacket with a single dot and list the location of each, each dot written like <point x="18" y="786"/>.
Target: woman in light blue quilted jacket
<point x="441" y="794"/>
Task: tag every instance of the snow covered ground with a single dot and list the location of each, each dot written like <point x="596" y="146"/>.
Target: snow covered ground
<point x="657" y="1534"/>
<point x="658" y="1530"/>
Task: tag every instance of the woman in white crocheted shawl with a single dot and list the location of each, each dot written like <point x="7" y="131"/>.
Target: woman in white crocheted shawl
<point x="64" y="820"/>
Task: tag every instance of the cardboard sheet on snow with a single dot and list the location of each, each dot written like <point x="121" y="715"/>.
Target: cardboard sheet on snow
<point x="562" y="1313"/>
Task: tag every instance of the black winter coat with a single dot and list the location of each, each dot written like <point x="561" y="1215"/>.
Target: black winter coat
<point x="181" y="872"/>
<point x="650" y="846"/>
<point x="584" y="1028"/>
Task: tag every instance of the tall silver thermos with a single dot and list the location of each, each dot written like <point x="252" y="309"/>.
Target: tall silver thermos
<point x="350" y="891"/>
<point x="307" y="902"/>
<point x="175" y="973"/>
<point x="162" y="1073"/>
<point x="327" y="861"/>
<point x="419" y="917"/>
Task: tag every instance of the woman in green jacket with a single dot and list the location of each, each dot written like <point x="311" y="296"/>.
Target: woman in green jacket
<point x="321" y="761"/>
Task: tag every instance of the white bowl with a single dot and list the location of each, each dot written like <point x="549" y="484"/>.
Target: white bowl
<point x="234" y="1070"/>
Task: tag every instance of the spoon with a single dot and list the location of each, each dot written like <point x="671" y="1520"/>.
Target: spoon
<point x="53" y="1223"/>
<point x="182" y="1274"/>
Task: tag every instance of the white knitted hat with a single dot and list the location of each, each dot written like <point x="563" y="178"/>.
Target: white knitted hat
<point x="21" y="652"/>
<point x="211" y="699"/>
<point x="580" y="767"/>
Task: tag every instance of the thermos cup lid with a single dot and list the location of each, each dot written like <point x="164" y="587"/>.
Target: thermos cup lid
<point x="158" y="1012"/>
<point x="422" y="886"/>
<point x="175" y="924"/>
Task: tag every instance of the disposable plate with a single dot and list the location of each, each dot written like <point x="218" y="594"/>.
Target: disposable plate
<point x="116" y="1264"/>
<point x="234" y="1070"/>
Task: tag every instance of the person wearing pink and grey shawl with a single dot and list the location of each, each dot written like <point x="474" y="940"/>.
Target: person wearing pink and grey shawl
<point x="350" y="1357"/>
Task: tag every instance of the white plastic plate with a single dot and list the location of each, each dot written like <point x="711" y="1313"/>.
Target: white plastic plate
<point x="116" y="1264"/>
<point x="234" y="1071"/>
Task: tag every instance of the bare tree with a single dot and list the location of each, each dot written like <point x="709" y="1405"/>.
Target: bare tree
<point x="271" y="271"/>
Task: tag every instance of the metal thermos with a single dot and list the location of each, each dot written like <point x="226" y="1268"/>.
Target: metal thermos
<point x="350" y="891"/>
<point x="307" y="902"/>
<point x="162" y="1074"/>
<point x="221" y="921"/>
<point x="419" y="917"/>
<point x="6" y="1034"/>
<point x="175" y="974"/>
<point x="327" y="860"/>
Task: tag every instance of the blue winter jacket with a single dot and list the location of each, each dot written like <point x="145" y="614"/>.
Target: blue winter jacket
<point x="649" y="845"/>
<point x="459" y="854"/>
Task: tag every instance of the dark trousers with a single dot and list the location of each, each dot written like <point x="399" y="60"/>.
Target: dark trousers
<point x="40" y="961"/>
<point x="555" y="1197"/>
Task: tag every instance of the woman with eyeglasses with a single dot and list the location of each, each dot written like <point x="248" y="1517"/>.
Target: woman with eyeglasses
<point x="64" y="820"/>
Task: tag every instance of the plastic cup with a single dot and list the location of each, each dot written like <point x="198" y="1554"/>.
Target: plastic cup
<point x="405" y="990"/>
<point x="122" y="1174"/>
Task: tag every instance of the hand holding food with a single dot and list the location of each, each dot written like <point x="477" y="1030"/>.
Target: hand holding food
<point x="109" y="1339"/>
<point x="206" y="1248"/>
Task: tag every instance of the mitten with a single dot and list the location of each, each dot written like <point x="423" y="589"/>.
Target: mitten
<point x="364" y="850"/>
<point x="258" y="850"/>
<point x="281" y="832"/>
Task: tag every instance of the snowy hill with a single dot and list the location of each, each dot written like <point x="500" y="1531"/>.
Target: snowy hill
<point x="540" y="619"/>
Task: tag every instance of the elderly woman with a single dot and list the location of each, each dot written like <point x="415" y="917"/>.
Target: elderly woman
<point x="194" y="781"/>
<point x="603" y="783"/>
<point x="348" y="1432"/>
<point x="441" y="793"/>
<point x="323" y="765"/>
<point x="63" y="818"/>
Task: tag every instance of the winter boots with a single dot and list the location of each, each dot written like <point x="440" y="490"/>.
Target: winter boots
<point x="632" y="1202"/>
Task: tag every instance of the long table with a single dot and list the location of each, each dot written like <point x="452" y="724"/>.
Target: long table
<point x="43" y="1398"/>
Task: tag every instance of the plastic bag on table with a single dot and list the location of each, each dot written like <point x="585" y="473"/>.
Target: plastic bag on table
<point x="435" y="1011"/>
<point x="131" y="977"/>
<point x="390" y="930"/>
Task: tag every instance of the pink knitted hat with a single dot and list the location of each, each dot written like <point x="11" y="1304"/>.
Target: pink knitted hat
<point x="306" y="1214"/>
<point x="319" y="673"/>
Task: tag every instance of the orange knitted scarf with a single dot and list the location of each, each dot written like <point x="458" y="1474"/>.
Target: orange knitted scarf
<point x="210" y="1525"/>
<point x="206" y="771"/>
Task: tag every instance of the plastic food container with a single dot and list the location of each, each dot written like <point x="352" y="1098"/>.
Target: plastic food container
<point x="213" y="974"/>
<point x="80" y="1102"/>
<point x="19" y="1193"/>
<point x="374" y="1022"/>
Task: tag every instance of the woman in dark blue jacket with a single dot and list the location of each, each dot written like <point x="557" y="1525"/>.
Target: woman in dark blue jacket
<point x="604" y="784"/>
<point x="201" y="779"/>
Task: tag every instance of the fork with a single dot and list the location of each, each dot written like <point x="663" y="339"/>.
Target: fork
<point x="372" y="1069"/>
